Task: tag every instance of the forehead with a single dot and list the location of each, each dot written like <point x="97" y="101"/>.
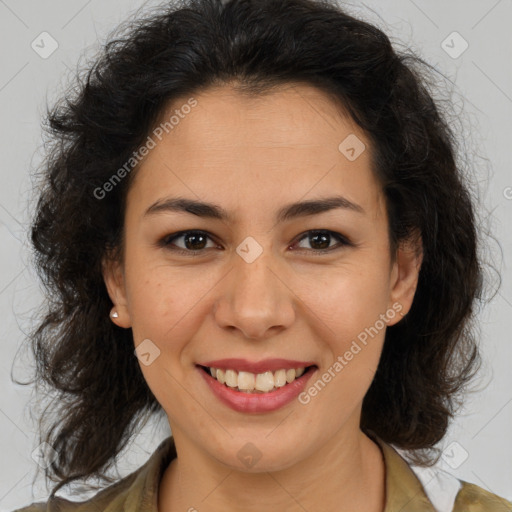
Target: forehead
<point x="290" y="114"/>
<point x="283" y="144"/>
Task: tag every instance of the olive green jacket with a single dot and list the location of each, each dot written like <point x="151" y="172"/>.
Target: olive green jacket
<point x="138" y="491"/>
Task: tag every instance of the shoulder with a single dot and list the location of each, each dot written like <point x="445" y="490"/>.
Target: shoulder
<point x="138" y="489"/>
<point x="472" y="498"/>
<point x="450" y="494"/>
<point x="112" y="496"/>
<point x="444" y="491"/>
<point x="34" y="507"/>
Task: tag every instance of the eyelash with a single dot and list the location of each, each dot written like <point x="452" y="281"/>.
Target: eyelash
<point x="168" y="239"/>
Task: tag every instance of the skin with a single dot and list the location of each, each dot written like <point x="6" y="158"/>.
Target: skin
<point x="253" y="155"/>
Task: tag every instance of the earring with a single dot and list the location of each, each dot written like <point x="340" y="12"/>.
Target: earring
<point x="114" y="314"/>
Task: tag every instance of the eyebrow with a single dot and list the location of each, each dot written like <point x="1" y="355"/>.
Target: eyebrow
<point x="288" y="212"/>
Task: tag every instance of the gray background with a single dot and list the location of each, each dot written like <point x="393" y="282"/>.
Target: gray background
<point x="478" y="447"/>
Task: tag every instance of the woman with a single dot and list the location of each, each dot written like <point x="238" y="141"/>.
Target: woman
<point x="253" y="222"/>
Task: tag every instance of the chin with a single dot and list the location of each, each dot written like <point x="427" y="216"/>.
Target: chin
<point x="258" y="455"/>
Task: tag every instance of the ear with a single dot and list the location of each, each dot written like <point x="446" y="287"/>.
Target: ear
<point x="113" y="275"/>
<point x="404" y="275"/>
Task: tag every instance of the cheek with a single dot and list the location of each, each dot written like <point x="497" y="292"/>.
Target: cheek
<point x="157" y="303"/>
<point x="166" y="301"/>
<point x="346" y="313"/>
<point x="346" y="300"/>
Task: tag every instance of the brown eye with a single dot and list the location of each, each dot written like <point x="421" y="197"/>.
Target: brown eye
<point x="193" y="241"/>
<point x="320" y="240"/>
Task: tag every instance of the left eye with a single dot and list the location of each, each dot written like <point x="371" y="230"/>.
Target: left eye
<point x="194" y="241"/>
<point x="323" y="238"/>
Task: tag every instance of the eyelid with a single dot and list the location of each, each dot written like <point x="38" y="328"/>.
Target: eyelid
<point x="343" y="241"/>
<point x="165" y="242"/>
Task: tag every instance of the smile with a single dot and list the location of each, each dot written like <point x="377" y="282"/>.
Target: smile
<point x="256" y="383"/>
<point x="249" y="392"/>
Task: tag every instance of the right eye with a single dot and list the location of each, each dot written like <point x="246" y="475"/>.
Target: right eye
<point x="194" y="239"/>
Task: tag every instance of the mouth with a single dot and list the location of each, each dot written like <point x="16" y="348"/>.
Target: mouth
<point x="267" y="382"/>
<point x="239" y="389"/>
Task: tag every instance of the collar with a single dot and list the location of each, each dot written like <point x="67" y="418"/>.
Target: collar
<point x="404" y="490"/>
<point x="138" y="492"/>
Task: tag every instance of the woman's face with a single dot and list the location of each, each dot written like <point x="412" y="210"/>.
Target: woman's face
<point x="257" y="286"/>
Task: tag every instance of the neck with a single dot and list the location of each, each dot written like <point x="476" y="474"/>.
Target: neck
<point x="347" y="473"/>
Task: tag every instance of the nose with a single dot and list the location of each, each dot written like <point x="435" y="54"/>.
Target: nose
<point x="254" y="298"/>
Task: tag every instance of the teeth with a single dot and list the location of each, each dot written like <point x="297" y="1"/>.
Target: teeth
<point x="246" y="381"/>
<point x="262" y="382"/>
<point x="280" y="378"/>
<point x="231" y="378"/>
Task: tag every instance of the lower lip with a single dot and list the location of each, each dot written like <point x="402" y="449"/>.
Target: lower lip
<point x="257" y="402"/>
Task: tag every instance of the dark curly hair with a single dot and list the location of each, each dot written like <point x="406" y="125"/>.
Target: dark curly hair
<point x="88" y="363"/>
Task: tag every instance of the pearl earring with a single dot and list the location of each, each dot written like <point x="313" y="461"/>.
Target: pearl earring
<point x="114" y="314"/>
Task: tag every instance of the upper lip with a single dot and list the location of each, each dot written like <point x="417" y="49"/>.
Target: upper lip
<point x="257" y="367"/>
